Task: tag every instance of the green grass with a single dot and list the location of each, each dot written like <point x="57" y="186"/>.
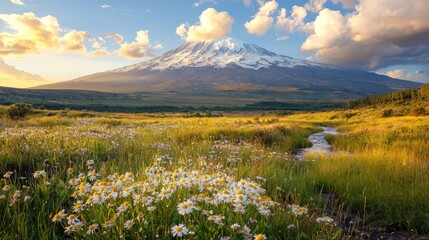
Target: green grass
<point x="234" y="147"/>
<point x="382" y="176"/>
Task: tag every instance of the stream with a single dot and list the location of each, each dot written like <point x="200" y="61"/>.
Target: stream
<point x="319" y="144"/>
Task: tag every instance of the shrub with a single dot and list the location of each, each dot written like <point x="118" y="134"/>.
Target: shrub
<point x="418" y="111"/>
<point x="387" y="113"/>
<point x="18" y="110"/>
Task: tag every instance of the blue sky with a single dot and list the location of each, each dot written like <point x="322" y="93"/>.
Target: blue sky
<point x="93" y="20"/>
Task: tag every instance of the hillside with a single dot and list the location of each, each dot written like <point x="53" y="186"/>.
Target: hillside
<point x="12" y="77"/>
<point x="406" y="95"/>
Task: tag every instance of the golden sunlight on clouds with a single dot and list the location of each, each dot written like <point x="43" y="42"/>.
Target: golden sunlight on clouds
<point x="30" y="33"/>
<point x="116" y="37"/>
<point x="140" y="48"/>
<point x="73" y="41"/>
<point x="377" y="34"/>
<point x="212" y="25"/>
<point x="263" y="20"/>
<point x="99" y="52"/>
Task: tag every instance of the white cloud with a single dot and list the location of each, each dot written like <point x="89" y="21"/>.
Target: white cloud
<point x="105" y="6"/>
<point x="263" y="20"/>
<point x="182" y="30"/>
<point x="212" y="25"/>
<point x="116" y="37"/>
<point x="315" y="5"/>
<point x="282" y="38"/>
<point x="17" y="2"/>
<point x="294" y="22"/>
<point x="379" y="33"/>
<point x="140" y="48"/>
<point x="329" y="29"/>
<point x="73" y="41"/>
<point x="416" y="76"/>
<point x="346" y="3"/>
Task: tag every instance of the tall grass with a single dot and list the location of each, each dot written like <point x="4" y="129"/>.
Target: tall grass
<point x="381" y="171"/>
<point x="236" y="148"/>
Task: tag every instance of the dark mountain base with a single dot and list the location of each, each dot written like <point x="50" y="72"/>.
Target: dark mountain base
<point x="176" y="102"/>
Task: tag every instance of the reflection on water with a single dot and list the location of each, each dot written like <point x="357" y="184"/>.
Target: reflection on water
<point x="320" y="145"/>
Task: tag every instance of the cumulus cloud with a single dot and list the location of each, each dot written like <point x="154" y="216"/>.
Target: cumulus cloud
<point x="73" y="41"/>
<point x="105" y="6"/>
<point x="29" y="34"/>
<point x="294" y="22"/>
<point x="346" y="3"/>
<point x="17" y="2"/>
<point x="212" y="25"/>
<point x="116" y="37"/>
<point x="315" y="5"/>
<point x="140" y="48"/>
<point x="329" y="30"/>
<point x="416" y="76"/>
<point x="263" y="20"/>
<point x="379" y="33"/>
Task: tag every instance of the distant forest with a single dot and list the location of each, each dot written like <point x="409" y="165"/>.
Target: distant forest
<point x="412" y="94"/>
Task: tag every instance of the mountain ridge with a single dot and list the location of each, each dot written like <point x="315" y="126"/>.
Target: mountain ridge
<point x="219" y="54"/>
<point x="210" y="67"/>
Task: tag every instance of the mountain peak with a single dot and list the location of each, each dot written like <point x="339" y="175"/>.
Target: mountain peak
<point x="221" y="53"/>
<point x="225" y="46"/>
<point x="228" y="66"/>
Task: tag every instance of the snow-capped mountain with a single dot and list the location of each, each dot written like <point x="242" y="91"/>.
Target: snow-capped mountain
<point x="219" y="54"/>
<point x="228" y="65"/>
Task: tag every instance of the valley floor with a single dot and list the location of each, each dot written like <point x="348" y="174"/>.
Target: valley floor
<point x="81" y="175"/>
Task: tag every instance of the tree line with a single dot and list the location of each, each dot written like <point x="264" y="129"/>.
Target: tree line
<point x="411" y="94"/>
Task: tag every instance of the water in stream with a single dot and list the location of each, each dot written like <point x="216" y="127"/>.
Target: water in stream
<point x="320" y="145"/>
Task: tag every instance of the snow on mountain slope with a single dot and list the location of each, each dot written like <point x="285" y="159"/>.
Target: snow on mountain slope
<point x="213" y="67"/>
<point x="219" y="54"/>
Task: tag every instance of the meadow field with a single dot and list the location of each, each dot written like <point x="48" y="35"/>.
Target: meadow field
<point x="83" y="175"/>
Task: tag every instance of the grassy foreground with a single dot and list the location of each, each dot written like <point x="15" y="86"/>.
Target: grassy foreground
<point x="81" y="176"/>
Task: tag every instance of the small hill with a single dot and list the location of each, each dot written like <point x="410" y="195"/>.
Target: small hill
<point x="407" y="95"/>
<point x="12" y="77"/>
